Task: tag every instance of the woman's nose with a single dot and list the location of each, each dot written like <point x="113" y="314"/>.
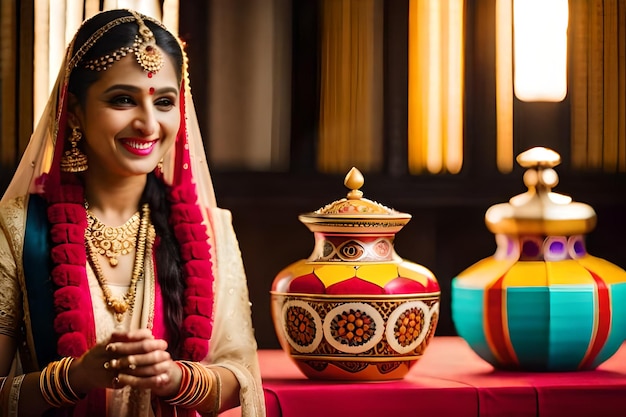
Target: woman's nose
<point x="146" y="122"/>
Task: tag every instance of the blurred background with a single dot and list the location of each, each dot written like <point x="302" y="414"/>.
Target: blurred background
<point x="431" y="100"/>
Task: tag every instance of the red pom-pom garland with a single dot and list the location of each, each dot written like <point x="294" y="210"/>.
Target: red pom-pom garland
<point x="74" y="322"/>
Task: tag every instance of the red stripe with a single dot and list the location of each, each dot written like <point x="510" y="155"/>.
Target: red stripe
<point x="603" y="320"/>
<point x="496" y="335"/>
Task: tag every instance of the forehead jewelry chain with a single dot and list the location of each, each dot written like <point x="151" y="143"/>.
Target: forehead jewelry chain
<point x="144" y="47"/>
<point x="112" y="242"/>
<point x="145" y="239"/>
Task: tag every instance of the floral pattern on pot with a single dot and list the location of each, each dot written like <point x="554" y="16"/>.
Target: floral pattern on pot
<point x="409" y="324"/>
<point x="302" y="326"/>
<point x="353" y="327"/>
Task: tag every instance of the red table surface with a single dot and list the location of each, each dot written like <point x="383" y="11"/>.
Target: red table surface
<point x="449" y="380"/>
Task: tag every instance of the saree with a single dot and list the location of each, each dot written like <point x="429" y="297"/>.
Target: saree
<point x="29" y="293"/>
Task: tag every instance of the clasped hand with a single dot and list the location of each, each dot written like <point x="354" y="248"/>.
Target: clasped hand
<point x="133" y="359"/>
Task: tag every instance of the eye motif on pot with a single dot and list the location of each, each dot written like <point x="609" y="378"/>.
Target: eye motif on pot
<point x="329" y="249"/>
<point x="351" y="251"/>
<point x="382" y="248"/>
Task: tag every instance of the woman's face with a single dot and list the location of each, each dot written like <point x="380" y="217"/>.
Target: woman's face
<point x="129" y="120"/>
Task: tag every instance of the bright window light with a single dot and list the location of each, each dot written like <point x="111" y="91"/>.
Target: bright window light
<point x="540" y="49"/>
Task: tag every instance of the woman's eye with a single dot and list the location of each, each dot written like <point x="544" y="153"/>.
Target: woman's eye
<point x="164" y="103"/>
<point x="122" y="101"/>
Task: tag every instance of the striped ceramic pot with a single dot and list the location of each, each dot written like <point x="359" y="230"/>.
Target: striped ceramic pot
<point x="541" y="302"/>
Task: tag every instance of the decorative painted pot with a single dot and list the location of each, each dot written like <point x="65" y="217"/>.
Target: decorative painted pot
<point x="541" y="302"/>
<point x="355" y="310"/>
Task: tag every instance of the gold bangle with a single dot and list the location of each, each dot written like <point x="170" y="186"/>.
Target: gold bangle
<point x="43" y="387"/>
<point x="212" y="403"/>
<point x="184" y="383"/>
<point x="218" y="398"/>
<point x="74" y="396"/>
<point x="196" y="385"/>
<point x="54" y="384"/>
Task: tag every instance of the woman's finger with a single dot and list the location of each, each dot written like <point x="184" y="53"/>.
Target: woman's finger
<point x="146" y="382"/>
<point x="135" y="347"/>
<point x="133" y="362"/>
<point x="131" y="336"/>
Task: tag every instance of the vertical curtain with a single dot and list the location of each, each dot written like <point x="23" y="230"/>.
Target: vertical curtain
<point x="436" y="52"/>
<point x="598" y="93"/>
<point x="249" y="77"/>
<point x="350" y="129"/>
<point x="16" y="77"/>
<point x="504" y="85"/>
<point x="9" y="45"/>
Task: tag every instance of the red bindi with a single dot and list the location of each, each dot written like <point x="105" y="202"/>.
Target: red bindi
<point x="151" y="90"/>
<point x="150" y="74"/>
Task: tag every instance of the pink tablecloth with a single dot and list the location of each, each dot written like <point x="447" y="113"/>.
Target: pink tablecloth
<point x="449" y="380"/>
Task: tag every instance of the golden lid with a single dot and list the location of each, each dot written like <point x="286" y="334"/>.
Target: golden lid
<point x="355" y="213"/>
<point x="539" y="210"/>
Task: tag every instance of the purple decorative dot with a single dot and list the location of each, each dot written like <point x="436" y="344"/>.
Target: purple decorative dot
<point x="579" y="248"/>
<point x="530" y="249"/>
<point x="557" y="247"/>
<point x="510" y="247"/>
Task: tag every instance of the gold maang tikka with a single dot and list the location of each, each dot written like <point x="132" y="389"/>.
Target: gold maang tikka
<point x="144" y="47"/>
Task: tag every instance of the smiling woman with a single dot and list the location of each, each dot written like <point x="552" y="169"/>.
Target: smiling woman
<point x="122" y="289"/>
<point x="129" y="120"/>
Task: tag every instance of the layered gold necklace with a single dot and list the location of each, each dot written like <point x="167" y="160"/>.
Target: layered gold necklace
<point x="143" y="238"/>
<point x="112" y="241"/>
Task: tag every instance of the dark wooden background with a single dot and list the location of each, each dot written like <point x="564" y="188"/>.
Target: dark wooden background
<point x="447" y="232"/>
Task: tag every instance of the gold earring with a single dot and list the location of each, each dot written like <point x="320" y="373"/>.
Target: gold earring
<point x="74" y="160"/>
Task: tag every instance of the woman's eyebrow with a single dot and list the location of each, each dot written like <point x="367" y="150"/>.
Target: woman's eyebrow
<point x="126" y="87"/>
<point x="135" y="89"/>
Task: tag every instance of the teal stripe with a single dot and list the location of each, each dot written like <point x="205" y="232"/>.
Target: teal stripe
<point x="468" y="317"/>
<point x="550" y="327"/>
<point x="572" y="316"/>
<point x="527" y="319"/>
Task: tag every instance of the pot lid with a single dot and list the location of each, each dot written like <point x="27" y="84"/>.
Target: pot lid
<point x="539" y="210"/>
<point x="355" y="213"/>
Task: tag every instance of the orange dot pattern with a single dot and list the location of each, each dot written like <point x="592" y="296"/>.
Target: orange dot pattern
<point x="300" y="326"/>
<point x="353" y="327"/>
<point x="409" y="326"/>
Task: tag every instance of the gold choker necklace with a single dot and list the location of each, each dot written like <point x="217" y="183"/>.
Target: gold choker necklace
<point x="145" y="240"/>
<point x="112" y="241"/>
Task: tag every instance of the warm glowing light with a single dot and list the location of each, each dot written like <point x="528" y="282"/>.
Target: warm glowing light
<point x="540" y="49"/>
<point x="435" y="142"/>
<point x="504" y="85"/>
